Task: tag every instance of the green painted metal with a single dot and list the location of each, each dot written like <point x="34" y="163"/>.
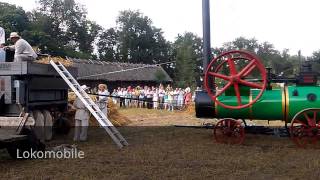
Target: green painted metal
<point x="221" y="112"/>
<point x="269" y="106"/>
<point x="276" y="104"/>
<point x="298" y="99"/>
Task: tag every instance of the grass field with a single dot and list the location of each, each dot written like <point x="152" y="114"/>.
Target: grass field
<point x="160" y="151"/>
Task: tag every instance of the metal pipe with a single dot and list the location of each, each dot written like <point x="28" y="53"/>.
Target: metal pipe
<point x="206" y="34"/>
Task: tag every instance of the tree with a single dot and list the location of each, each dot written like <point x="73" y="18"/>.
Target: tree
<point x="315" y="56"/>
<point x="139" y="41"/>
<point x="66" y="23"/>
<point x="13" y="19"/>
<point x="242" y="43"/>
<point x="187" y="52"/>
<point x="280" y="62"/>
<point x="108" y="45"/>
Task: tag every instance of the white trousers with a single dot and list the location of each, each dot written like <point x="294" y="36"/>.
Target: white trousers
<point x="81" y="130"/>
<point x="103" y="107"/>
<point x="22" y="57"/>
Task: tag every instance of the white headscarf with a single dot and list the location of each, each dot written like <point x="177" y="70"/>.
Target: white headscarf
<point x="188" y="90"/>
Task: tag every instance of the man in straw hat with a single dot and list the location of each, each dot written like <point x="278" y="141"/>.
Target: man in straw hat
<point x="81" y="119"/>
<point x="23" y="50"/>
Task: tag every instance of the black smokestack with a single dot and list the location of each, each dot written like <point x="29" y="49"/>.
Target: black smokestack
<point x="206" y="34"/>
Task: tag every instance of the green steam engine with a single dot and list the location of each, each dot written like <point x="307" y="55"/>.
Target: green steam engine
<point x="240" y="87"/>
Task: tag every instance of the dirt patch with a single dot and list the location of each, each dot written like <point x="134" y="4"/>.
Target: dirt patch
<point x="147" y="117"/>
<point x="162" y="151"/>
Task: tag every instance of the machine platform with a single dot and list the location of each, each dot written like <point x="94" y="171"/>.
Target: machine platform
<point x="30" y="68"/>
<point x="10" y="128"/>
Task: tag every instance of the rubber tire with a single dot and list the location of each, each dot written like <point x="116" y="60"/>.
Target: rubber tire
<point x="48" y="125"/>
<point x="39" y="129"/>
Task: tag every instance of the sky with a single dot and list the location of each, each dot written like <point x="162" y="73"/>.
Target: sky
<point x="292" y="24"/>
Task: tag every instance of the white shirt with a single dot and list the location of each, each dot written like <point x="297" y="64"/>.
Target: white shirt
<point x="82" y="112"/>
<point x="161" y="92"/>
<point x="124" y="93"/>
<point x="155" y="96"/>
<point x="120" y="93"/>
<point x="2" y="36"/>
<point x="22" y="47"/>
<point x="104" y="94"/>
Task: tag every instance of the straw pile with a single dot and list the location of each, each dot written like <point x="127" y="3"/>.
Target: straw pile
<point x="46" y="60"/>
<point x="191" y="109"/>
<point x="113" y="114"/>
<point x="117" y="119"/>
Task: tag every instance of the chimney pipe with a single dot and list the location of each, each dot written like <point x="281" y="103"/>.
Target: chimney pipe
<point x="206" y="34"/>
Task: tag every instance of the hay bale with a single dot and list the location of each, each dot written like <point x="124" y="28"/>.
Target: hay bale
<point x="116" y="118"/>
<point x="63" y="61"/>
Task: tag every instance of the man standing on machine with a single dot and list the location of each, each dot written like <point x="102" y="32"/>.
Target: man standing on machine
<point x="23" y="50"/>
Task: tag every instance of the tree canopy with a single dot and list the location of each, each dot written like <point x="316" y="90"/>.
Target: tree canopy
<point x="133" y="40"/>
<point x="187" y="53"/>
<point x="62" y="28"/>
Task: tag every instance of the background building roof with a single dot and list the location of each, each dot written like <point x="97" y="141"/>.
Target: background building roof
<point x="113" y="71"/>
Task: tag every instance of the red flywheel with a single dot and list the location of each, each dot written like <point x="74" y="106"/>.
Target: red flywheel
<point x="235" y="69"/>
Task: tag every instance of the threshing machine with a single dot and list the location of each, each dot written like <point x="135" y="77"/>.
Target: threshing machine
<point x="33" y="100"/>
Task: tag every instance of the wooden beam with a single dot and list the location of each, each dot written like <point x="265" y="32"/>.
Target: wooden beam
<point x="15" y="121"/>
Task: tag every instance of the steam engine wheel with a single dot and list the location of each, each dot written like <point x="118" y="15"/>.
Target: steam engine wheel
<point x="233" y="70"/>
<point x="229" y="131"/>
<point x="305" y="128"/>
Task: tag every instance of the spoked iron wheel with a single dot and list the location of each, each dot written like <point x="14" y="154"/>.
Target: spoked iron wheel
<point x="229" y="131"/>
<point x="304" y="129"/>
<point x="233" y="70"/>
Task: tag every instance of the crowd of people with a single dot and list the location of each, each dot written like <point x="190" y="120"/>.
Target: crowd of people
<point x="138" y="97"/>
<point x="161" y="97"/>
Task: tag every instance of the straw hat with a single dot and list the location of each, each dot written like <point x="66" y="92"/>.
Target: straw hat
<point x="102" y="85"/>
<point x="14" y="35"/>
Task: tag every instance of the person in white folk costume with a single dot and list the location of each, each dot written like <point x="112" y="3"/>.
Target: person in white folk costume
<point x="2" y="42"/>
<point x="81" y="119"/>
<point x="102" y="100"/>
<point x="155" y="99"/>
